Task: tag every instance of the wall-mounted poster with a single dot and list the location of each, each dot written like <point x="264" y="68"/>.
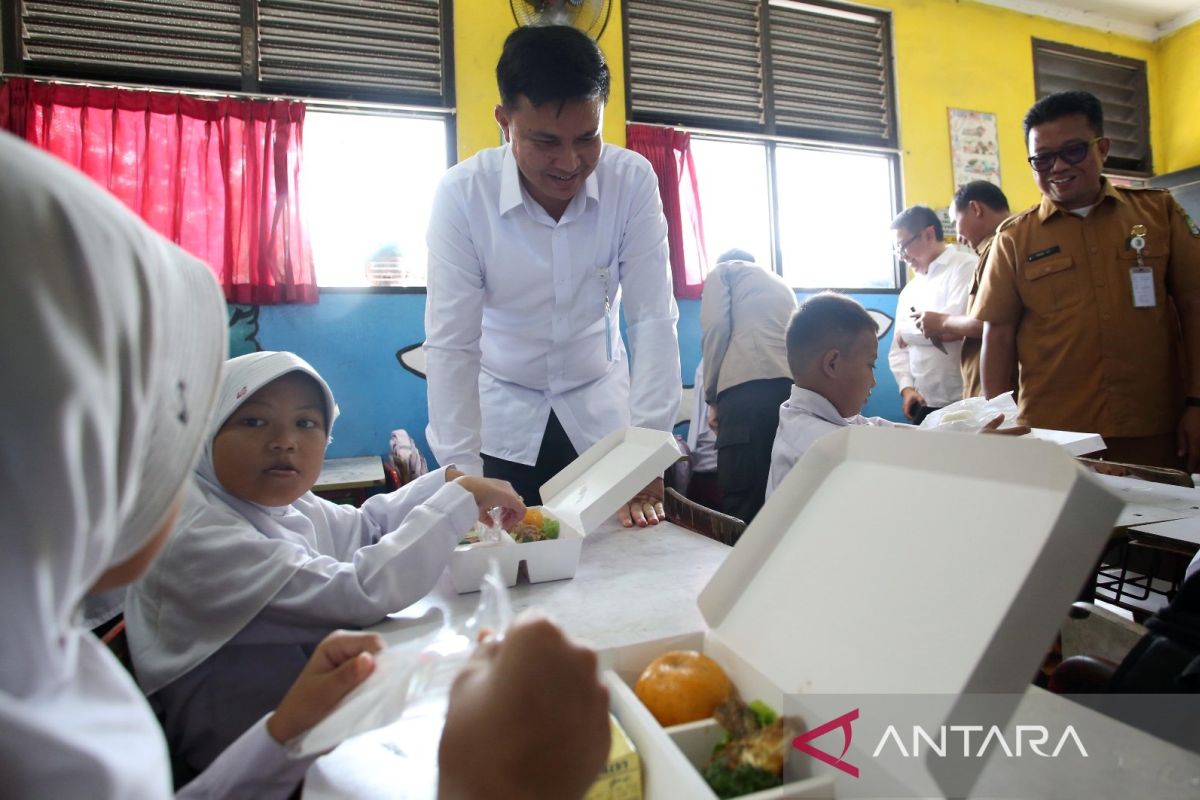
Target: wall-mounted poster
<point x="974" y="148"/>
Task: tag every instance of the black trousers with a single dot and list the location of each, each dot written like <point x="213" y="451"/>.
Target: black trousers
<point x="555" y="453"/>
<point x="747" y="416"/>
<point x="922" y="412"/>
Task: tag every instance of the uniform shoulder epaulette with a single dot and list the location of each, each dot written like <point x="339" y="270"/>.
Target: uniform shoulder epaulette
<point x="1015" y="218"/>
<point x="1140" y="188"/>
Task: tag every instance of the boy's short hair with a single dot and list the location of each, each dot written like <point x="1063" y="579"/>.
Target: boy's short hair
<point x="551" y="64"/>
<point x="916" y="219"/>
<point x="825" y="320"/>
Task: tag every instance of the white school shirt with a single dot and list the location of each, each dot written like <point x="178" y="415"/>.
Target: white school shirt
<point x="944" y="287"/>
<point x="803" y="419"/>
<point x="515" y="313"/>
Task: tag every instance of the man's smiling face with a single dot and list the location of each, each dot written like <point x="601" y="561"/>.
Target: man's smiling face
<point x="1070" y="185"/>
<point x="556" y="148"/>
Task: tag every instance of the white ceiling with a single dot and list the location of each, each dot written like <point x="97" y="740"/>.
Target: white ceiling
<point x="1145" y="19"/>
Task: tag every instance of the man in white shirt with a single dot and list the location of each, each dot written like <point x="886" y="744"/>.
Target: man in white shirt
<point x="744" y="316"/>
<point x="927" y="369"/>
<point x="532" y="248"/>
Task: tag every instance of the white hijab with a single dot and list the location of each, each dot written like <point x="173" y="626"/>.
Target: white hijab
<point x="227" y="557"/>
<point x="111" y="339"/>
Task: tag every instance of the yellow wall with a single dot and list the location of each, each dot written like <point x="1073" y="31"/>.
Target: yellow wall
<point x="1178" y="112"/>
<point x="480" y="27"/>
<point x="948" y="53"/>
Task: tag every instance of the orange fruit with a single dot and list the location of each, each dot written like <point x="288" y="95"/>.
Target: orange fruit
<point x="533" y="517"/>
<point x="682" y="686"/>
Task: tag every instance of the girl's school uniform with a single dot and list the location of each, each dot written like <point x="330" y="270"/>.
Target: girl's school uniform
<point x="225" y="619"/>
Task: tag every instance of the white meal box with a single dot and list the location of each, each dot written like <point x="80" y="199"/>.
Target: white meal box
<point x="888" y="562"/>
<point x="581" y="497"/>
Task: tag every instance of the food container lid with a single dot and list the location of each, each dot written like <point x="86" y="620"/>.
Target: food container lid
<point x="607" y="475"/>
<point x="894" y="561"/>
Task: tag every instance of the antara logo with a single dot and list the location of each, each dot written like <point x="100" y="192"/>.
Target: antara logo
<point x="801" y="742"/>
<point x="1030" y="736"/>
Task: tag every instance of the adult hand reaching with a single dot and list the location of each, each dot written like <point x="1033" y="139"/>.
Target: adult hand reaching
<point x="646" y="508"/>
<point x="528" y="718"/>
<point x="341" y="661"/>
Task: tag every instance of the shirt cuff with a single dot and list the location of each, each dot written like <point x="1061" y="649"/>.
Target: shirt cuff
<point x="255" y="765"/>
<point x="458" y="505"/>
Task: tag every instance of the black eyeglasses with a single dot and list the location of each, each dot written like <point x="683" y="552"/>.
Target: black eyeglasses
<point x="1071" y="154"/>
<point x="900" y="248"/>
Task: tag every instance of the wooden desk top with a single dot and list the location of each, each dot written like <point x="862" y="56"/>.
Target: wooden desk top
<point x="350" y="473"/>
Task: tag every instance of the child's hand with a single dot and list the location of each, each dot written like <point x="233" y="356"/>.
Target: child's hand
<point x="527" y="718"/>
<point x="490" y="493"/>
<point x="341" y="661"/>
<point x="993" y="426"/>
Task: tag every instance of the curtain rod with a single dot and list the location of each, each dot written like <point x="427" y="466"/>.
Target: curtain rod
<point x="318" y="103"/>
<point x="763" y="137"/>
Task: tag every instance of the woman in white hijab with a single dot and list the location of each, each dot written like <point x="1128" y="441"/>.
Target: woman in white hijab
<point x="111" y="341"/>
<point x="259" y="568"/>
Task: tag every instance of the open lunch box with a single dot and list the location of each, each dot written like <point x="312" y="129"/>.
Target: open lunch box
<point x="581" y="498"/>
<point x="951" y="579"/>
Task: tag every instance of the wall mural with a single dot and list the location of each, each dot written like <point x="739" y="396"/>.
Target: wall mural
<point x="243" y="330"/>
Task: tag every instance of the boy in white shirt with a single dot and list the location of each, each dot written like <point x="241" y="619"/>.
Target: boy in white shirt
<point x="832" y="345"/>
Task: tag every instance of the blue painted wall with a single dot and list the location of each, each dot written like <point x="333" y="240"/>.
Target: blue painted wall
<point x="352" y="340"/>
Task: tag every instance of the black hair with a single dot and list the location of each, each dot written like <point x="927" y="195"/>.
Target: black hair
<point x="827" y="319"/>
<point x="736" y="254"/>
<point x="984" y="192"/>
<point x="551" y="64"/>
<point x="917" y="219"/>
<point x="1063" y="104"/>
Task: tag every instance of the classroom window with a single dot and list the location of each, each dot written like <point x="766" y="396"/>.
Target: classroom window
<point x="1120" y="85"/>
<point x="367" y="204"/>
<point x="791" y="108"/>
<point x="812" y="70"/>
<point x="834" y="208"/>
<point x="391" y="52"/>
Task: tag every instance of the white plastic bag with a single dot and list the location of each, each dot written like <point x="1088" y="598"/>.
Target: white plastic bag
<point x="411" y="675"/>
<point x="972" y="414"/>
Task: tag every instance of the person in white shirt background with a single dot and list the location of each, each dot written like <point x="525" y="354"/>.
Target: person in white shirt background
<point x="927" y="369"/>
<point x="744" y="315"/>
<point x="534" y="248"/>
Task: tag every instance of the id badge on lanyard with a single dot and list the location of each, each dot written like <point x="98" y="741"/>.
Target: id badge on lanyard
<point x="608" y="348"/>
<point x="1141" y="277"/>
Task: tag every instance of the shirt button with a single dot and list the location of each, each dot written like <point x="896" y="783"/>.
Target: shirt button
<point x="1093" y="249"/>
<point x="1104" y="317"/>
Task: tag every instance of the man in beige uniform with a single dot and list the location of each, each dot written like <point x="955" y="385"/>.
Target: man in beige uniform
<point x="1096" y="293"/>
<point x="978" y="208"/>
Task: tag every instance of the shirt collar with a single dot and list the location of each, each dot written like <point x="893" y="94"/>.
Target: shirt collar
<point x="985" y="243"/>
<point x="1048" y="208"/>
<point x="941" y="261"/>
<point x="809" y="402"/>
<point x="511" y="195"/>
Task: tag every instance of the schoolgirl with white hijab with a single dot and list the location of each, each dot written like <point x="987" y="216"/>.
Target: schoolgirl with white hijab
<point x="111" y="341"/>
<point x="245" y="588"/>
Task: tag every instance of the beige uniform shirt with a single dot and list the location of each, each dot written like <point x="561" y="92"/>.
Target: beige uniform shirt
<point x="972" y="385"/>
<point x="744" y="314"/>
<point x="1089" y="359"/>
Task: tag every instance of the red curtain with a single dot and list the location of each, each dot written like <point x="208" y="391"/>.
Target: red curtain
<point x="220" y="178"/>
<point x="669" y="152"/>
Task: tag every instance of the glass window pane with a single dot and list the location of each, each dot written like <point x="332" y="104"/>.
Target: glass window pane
<point x="733" y="198"/>
<point x="368" y="187"/>
<point x="834" y="212"/>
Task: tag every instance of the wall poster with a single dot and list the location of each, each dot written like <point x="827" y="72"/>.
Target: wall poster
<point x="974" y="147"/>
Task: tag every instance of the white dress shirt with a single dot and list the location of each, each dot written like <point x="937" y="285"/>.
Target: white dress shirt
<point x="803" y="419"/>
<point x="515" y="319"/>
<point x="701" y="439"/>
<point x="920" y="365"/>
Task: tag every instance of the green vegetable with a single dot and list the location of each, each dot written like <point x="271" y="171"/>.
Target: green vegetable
<point x="726" y="738"/>
<point x="766" y="715"/>
<point x="744" y="779"/>
<point x="550" y="528"/>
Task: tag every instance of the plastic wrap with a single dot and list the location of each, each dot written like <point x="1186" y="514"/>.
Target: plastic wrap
<point x="972" y="414"/>
<point x="411" y="676"/>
